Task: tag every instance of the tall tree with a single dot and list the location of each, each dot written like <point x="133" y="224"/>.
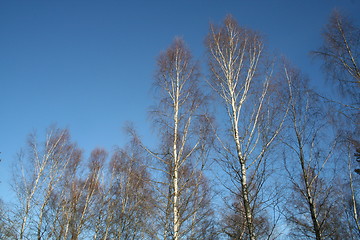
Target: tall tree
<point x="181" y="183"/>
<point x="242" y="80"/>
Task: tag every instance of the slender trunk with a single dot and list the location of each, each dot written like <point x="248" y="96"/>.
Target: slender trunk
<point x="167" y="228"/>
<point x="244" y="187"/>
<point x="312" y="207"/>
<point x="310" y="199"/>
<point x="29" y="198"/>
<point x="176" y="165"/>
<point x="314" y="219"/>
<point x="89" y="197"/>
<point x="242" y="162"/>
<point x="109" y="218"/>
<point x="40" y="223"/>
<point x="176" y="206"/>
<point x="22" y="230"/>
<point x="42" y="209"/>
<point x="27" y="207"/>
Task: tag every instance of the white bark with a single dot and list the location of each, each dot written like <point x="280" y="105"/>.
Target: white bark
<point x="177" y="114"/>
<point x="235" y="55"/>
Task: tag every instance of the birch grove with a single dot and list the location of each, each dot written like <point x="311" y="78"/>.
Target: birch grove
<point x="246" y="149"/>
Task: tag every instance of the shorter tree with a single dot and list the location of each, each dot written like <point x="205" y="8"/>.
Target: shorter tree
<point x="313" y="208"/>
<point x="41" y="172"/>
<point x="129" y="199"/>
<point x="340" y="53"/>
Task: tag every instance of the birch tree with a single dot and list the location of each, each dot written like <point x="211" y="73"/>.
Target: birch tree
<point x="41" y="171"/>
<point x="243" y="82"/>
<point x="84" y="196"/>
<point x="61" y="209"/>
<point x="182" y="192"/>
<point x="129" y="200"/>
<point x="314" y="208"/>
<point x="340" y="54"/>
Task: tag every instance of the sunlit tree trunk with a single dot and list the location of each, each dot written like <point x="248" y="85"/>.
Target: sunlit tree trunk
<point x="234" y="56"/>
<point x="181" y="123"/>
<point x="175" y="149"/>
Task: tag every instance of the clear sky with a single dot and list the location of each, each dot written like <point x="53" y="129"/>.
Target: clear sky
<point x="88" y="65"/>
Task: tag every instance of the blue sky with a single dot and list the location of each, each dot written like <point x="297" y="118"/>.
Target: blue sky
<point x="88" y="65"/>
